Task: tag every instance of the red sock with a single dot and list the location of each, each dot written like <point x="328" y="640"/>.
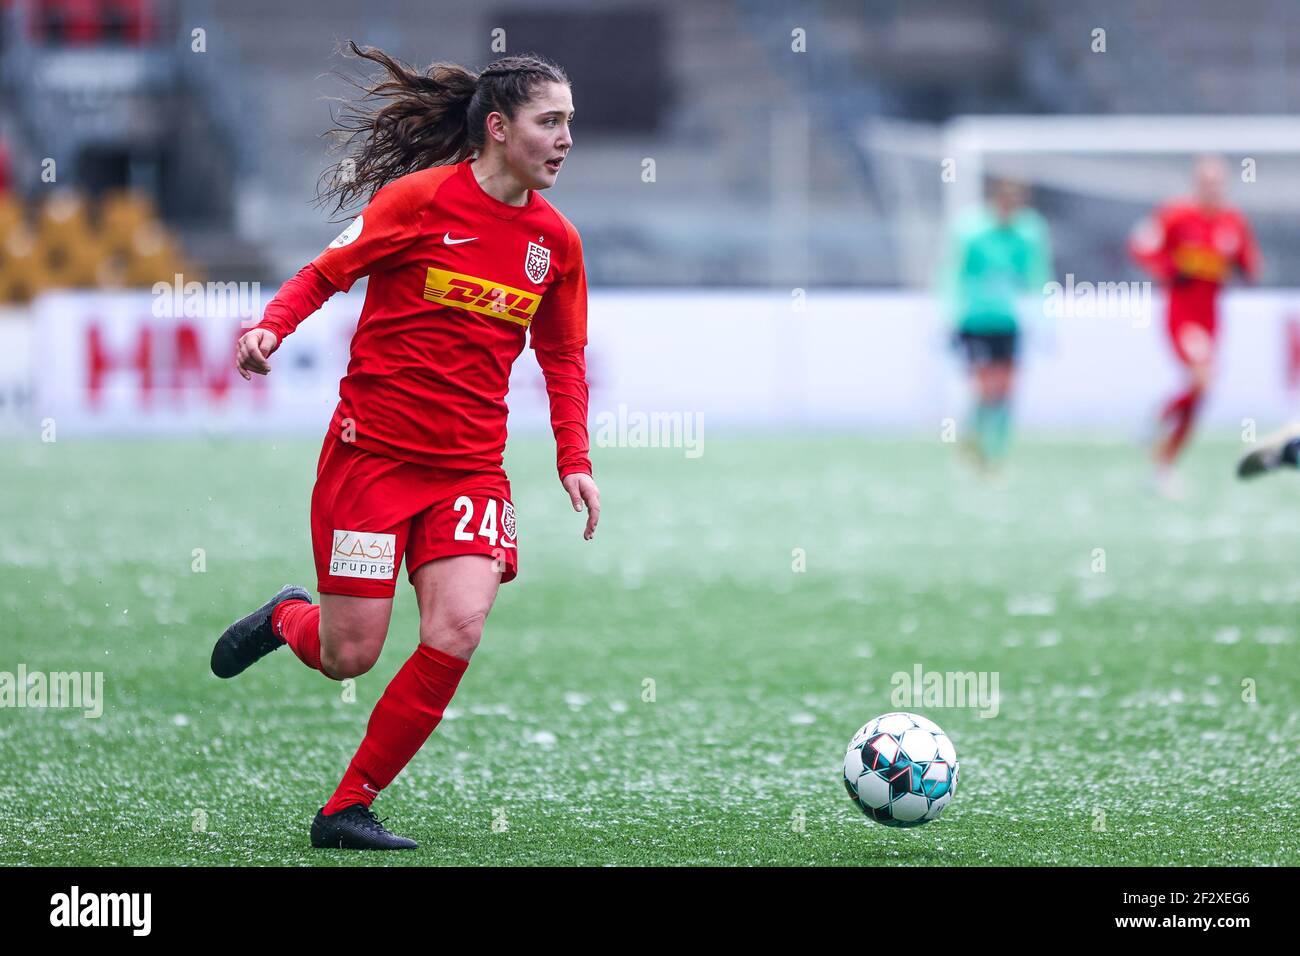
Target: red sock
<point x="1181" y="410"/>
<point x="1177" y="406"/>
<point x="405" y="715"/>
<point x="298" y="622"/>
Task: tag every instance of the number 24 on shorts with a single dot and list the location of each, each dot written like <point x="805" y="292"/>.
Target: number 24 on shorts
<point x="487" y="527"/>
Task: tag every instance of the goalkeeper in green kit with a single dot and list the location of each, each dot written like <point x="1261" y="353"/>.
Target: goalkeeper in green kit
<point x="998" y="254"/>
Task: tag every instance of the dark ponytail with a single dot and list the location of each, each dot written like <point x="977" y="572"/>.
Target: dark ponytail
<point x="433" y="118"/>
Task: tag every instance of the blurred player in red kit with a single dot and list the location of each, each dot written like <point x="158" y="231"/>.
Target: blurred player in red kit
<point x="465" y="260"/>
<point x="1192" y="246"/>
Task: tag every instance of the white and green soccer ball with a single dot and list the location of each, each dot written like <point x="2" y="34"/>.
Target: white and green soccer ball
<point x="901" y="770"/>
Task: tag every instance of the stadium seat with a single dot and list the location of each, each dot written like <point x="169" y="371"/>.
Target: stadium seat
<point x="121" y="212"/>
<point x="11" y="214"/>
<point x="22" y="274"/>
<point x="154" y="257"/>
<point x="63" y="216"/>
<point x="68" y="242"/>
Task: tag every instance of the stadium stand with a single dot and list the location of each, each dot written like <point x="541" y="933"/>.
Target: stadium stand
<point x="774" y="143"/>
<point x="68" y="241"/>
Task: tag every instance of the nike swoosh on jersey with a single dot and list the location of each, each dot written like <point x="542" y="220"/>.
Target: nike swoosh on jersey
<point x="446" y="237"/>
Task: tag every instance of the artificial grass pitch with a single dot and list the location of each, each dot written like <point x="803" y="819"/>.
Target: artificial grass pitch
<point x="676" y="691"/>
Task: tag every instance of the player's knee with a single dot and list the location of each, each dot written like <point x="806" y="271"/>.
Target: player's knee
<point x="347" y="659"/>
<point x="454" y="634"/>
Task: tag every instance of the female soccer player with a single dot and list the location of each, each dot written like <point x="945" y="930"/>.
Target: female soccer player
<point x="464" y="257"/>
<point x="1193" y="246"/>
<point x="999" y="253"/>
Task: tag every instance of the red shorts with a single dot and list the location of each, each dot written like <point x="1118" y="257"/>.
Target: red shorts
<point x="1193" y="339"/>
<point x="368" y="511"/>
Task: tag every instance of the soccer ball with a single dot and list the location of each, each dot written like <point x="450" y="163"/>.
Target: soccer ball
<point x="901" y="770"/>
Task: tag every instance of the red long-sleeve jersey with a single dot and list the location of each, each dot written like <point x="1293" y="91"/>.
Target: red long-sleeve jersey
<point x="457" y="280"/>
<point x="1194" y="251"/>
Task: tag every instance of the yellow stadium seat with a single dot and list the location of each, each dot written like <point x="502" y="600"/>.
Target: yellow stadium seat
<point x="121" y="212"/>
<point x="63" y="216"/>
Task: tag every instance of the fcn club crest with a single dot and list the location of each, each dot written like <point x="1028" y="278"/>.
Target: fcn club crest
<point x="537" y="263"/>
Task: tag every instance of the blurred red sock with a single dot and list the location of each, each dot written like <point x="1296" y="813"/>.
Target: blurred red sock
<point x="402" y="720"/>
<point x="1180" y="413"/>
<point x="1176" y="405"/>
<point x="298" y="622"/>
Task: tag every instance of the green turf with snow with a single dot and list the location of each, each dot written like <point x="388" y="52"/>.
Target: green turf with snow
<point x="1122" y="736"/>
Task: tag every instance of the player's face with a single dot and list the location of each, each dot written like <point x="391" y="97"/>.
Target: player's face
<point x="1209" y="181"/>
<point x="538" y="140"/>
<point x="1008" y="197"/>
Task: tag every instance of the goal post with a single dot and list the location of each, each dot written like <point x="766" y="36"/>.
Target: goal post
<point x="1097" y="174"/>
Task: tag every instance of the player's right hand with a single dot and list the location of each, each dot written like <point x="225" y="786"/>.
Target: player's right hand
<point x="582" y="490"/>
<point x="255" y="346"/>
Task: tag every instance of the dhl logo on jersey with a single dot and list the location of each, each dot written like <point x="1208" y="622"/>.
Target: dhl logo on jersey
<point x="1200" y="263"/>
<point x="480" y="295"/>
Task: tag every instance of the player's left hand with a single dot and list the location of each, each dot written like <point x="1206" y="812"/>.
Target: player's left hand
<point x="582" y="489"/>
